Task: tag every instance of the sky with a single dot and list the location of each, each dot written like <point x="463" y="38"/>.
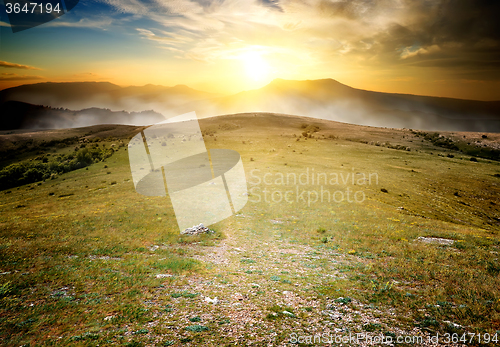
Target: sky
<point x="439" y="47"/>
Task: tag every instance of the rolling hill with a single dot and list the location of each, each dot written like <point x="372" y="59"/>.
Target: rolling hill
<point x="323" y="99"/>
<point x="81" y="95"/>
<point x="413" y="252"/>
<point x="21" y="115"/>
<point x="331" y="100"/>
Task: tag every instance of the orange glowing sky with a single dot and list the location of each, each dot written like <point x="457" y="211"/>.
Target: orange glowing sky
<point x="439" y="48"/>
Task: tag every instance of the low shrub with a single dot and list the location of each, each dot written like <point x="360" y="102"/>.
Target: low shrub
<point x="26" y="172"/>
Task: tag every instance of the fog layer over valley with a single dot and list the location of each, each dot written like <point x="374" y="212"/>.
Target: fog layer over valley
<point x="104" y="103"/>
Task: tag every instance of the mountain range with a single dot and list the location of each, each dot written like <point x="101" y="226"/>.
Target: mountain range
<point x="103" y="102"/>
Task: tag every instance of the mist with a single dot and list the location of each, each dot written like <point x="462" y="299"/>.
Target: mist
<point x="69" y="105"/>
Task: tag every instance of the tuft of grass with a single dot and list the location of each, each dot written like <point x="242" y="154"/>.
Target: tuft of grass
<point x="140" y="332"/>
<point x="85" y="336"/>
<point x="370" y="327"/>
<point x="248" y="261"/>
<point x="197" y="328"/>
<point x="184" y="294"/>
<point x="343" y="301"/>
<point x="6" y="289"/>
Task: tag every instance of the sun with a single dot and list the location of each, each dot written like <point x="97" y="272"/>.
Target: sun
<point x="256" y="67"/>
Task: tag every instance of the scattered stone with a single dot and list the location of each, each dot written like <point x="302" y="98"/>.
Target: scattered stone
<point x="289" y="314"/>
<point x="213" y="301"/>
<point x="197" y="230"/>
<point x="343" y="301"/>
<point x="436" y="240"/>
<point x="332" y="314"/>
<point x="105" y="257"/>
<point x="453" y="325"/>
<point x="109" y="318"/>
<point x="163" y="275"/>
<point x="330" y="307"/>
<point x="237" y="296"/>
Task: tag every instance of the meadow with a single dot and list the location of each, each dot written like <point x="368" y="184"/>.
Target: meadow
<point x="85" y="260"/>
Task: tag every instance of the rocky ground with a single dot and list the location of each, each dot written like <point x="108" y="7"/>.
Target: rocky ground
<point x="260" y="292"/>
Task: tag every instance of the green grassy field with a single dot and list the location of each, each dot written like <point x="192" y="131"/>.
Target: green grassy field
<point x="80" y="252"/>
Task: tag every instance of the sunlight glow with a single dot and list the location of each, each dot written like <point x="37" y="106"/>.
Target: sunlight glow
<point x="256" y="67"/>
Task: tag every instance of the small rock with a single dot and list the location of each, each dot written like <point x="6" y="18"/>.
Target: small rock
<point x="454" y="325"/>
<point x="109" y="318"/>
<point x="196" y="230"/>
<point x="237" y="296"/>
<point x="289" y="314"/>
<point x="214" y="301"/>
<point x="163" y="275"/>
<point x="436" y="240"/>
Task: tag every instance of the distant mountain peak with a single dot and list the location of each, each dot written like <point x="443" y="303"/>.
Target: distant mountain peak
<point x="281" y="81"/>
<point x="182" y="87"/>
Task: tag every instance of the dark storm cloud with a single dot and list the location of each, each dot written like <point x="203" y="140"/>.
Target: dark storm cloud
<point x="462" y="35"/>
<point x="466" y="21"/>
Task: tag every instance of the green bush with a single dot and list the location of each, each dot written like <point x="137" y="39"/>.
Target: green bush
<point x="26" y="172"/>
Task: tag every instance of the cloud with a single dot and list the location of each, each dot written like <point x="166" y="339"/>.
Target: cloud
<point x="85" y="74"/>
<point x="273" y="4"/>
<point x="357" y="33"/>
<point x="165" y="38"/>
<point x="94" y="23"/>
<point x="15" y="77"/>
<point x="410" y="52"/>
<point x="426" y="30"/>
<point x="17" y="66"/>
